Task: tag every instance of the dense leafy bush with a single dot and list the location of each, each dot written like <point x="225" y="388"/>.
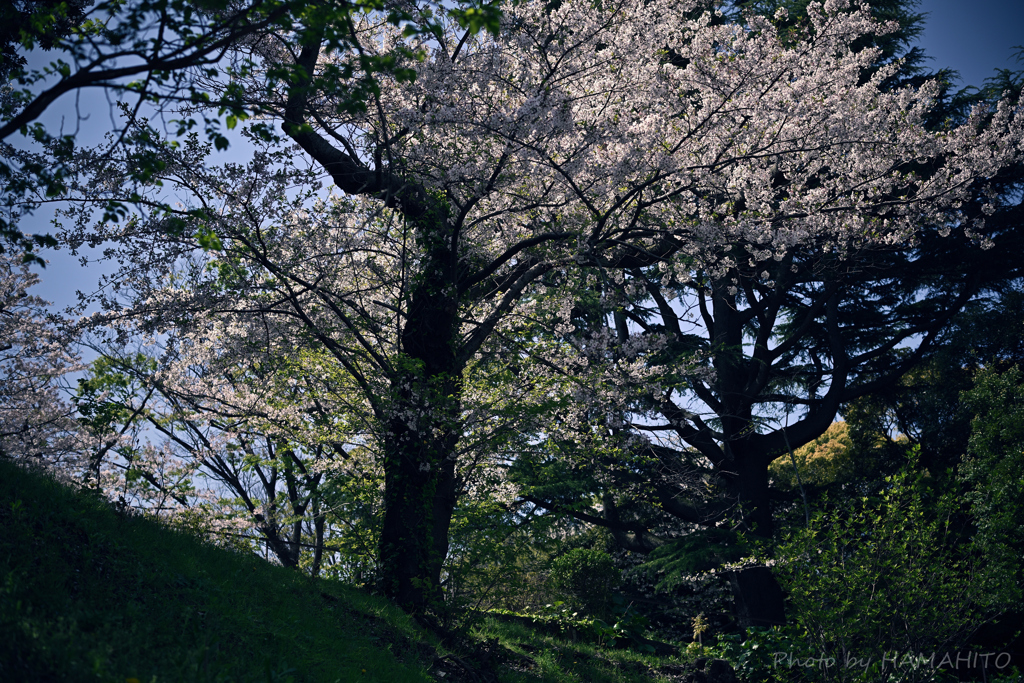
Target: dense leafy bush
<point x="994" y="467"/>
<point x="588" y="577"/>
<point x="894" y="576"/>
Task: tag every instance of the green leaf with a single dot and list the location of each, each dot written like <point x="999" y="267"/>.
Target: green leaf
<point x="208" y="240"/>
<point x="479" y="18"/>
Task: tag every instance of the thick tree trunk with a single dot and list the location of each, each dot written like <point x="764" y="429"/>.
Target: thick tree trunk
<point x="758" y="597"/>
<point x="751" y="486"/>
<point x="745" y="462"/>
<point x="419" y="498"/>
<point x="422" y="436"/>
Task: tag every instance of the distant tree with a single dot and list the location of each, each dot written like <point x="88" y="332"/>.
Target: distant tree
<point x="211" y="458"/>
<point x="825" y="460"/>
<point x="36" y="422"/>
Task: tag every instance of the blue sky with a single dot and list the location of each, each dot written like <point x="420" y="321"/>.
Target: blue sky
<point x="975" y="38"/>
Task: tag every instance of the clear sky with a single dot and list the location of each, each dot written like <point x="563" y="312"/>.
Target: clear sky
<point x="975" y="38"/>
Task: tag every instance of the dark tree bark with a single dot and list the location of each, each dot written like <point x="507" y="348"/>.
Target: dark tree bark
<point x="423" y="431"/>
<point x="759" y="598"/>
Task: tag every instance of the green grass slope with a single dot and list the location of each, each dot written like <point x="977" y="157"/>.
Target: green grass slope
<point x="88" y="594"/>
<point x="91" y="594"/>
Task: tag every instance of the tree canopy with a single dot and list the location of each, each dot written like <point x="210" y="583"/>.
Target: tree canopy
<point x="453" y="249"/>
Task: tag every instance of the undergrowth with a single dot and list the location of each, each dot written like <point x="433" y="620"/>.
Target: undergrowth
<point x="534" y="654"/>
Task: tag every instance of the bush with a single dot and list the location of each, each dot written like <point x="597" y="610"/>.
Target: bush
<point x="994" y="466"/>
<point x="588" y="577"/>
<point x="898" y="574"/>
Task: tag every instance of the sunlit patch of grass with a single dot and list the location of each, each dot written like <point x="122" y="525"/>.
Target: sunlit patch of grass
<point x="547" y="658"/>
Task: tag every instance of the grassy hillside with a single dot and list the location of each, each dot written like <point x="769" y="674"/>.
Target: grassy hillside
<point x="90" y="594"/>
<point x="87" y="594"/>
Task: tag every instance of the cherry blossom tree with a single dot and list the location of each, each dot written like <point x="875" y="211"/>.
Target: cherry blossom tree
<point x="780" y="345"/>
<point x="575" y="137"/>
<point x="153" y="57"/>
<point x="227" y="424"/>
<point x="36" y="422"/>
<point x="238" y="446"/>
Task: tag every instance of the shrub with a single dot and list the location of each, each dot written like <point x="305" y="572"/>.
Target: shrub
<point x="897" y="574"/>
<point x="994" y="466"/>
<point x="588" y="577"/>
